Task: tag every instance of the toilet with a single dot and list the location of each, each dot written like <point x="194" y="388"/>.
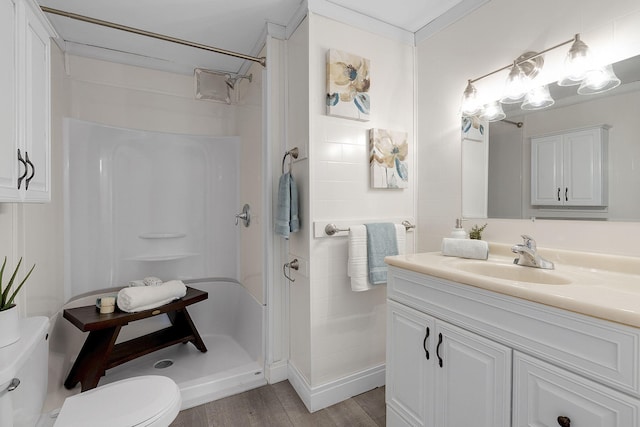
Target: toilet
<point x="149" y="401"/>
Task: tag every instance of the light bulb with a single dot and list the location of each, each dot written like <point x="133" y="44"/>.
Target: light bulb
<point x="577" y="63"/>
<point x="493" y="112"/>
<point x="598" y="81"/>
<point x="470" y="103"/>
<point x="516" y="85"/>
<point x="538" y="98"/>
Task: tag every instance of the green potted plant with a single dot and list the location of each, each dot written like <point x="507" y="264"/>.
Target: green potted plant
<point x="476" y="232"/>
<point x="8" y="310"/>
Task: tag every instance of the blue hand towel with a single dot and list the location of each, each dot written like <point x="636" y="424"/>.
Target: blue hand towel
<point x="294" y="221"/>
<point x="287" y="220"/>
<point x="381" y="242"/>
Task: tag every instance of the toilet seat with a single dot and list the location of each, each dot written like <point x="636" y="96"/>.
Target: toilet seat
<point x="143" y="401"/>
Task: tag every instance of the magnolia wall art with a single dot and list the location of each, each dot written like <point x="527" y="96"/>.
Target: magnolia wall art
<point x="473" y="128"/>
<point x="388" y="151"/>
<point x="348" y="84"/>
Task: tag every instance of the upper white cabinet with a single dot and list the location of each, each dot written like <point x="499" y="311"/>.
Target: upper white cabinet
<point x="25" y="105"/>
<point x="569" y="169"/>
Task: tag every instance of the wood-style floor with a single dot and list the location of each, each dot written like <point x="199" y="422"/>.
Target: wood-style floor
<point x="277" y="405"/>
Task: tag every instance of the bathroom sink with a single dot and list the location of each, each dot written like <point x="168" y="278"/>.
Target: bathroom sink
<point x="513" y="272"/>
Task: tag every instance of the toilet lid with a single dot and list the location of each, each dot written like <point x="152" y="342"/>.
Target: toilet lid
<point x="136" y="401"/>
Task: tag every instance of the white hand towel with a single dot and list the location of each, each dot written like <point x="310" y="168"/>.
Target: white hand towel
<point x="401" y="238"/>
<point x="152" y="281"/>
<point x="142" y="298"/>
<point x="357" y="265"/>
<point x="465" y="248"/>
<point x="136" y="283"/>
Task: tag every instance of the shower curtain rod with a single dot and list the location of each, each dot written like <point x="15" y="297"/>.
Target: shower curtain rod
<point x="261" y="60"/>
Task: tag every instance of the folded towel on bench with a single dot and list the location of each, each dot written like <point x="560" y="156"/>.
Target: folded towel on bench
<point x="140" y="298"/>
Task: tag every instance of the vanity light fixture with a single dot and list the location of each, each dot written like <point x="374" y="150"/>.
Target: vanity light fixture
<point x="470" y="104"/>
<point x="577" y="63"/>
<point x="599" y="80"/>
<point x="516" y="85"/>
<point x="520" y="87"/>
<point x="538" y="98"/>
<point x="492" y="112"/>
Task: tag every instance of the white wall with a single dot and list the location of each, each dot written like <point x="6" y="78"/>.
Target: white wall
<point x="347" y="328"/>
<point x="297" y="125"/>
<point x="249" y="114"/>
<point x="124" y="96"/>
<point x="476" y="45"/>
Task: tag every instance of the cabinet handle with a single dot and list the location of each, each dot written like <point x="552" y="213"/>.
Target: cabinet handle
<point x="564" y="421"/>
<point x="424" y="344"/>
<point x="438" y="349"/>
<point x="566" y="194"/>
<point x="33" y="170"/>
<point x="21" y="160"/>
<point x="558" y="193"/>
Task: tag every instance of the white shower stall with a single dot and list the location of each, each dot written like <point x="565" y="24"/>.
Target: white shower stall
<point x="141" y="203"/>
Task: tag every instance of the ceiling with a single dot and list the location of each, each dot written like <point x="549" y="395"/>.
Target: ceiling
<point x="234" y="25"/>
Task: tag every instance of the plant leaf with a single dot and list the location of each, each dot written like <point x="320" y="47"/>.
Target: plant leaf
<point x="13" y="296"/>
<point x="5" y="294"/>
<point x="1" y="274"/>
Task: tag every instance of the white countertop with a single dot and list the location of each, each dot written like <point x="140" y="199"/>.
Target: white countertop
<point x="600" y="285"/>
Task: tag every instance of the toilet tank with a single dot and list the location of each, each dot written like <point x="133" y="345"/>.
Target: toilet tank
<point x="27" y="361"/>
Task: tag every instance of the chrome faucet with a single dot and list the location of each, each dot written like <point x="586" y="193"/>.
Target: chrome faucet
<point x="528" y="256"/>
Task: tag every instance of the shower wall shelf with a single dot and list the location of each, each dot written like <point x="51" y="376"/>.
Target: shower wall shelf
<point x="171" y="257"/>
<point x="162" y="235"/>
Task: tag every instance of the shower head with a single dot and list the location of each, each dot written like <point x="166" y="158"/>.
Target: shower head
<point x="232" y="80"/>
<point x="216" y="85"/>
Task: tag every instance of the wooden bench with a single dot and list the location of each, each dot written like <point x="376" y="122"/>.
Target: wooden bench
<point x="100" y="351"/>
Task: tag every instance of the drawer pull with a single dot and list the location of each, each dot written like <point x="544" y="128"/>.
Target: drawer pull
<point x="424" y="344"/>
<point x="438" y="349"/>
<point x="154" y="312"/>
<point x="564" y="421"/>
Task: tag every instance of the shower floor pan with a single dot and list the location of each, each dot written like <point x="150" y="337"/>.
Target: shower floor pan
<point x="225" y="369"/>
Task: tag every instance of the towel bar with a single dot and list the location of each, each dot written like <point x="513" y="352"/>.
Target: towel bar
<point x="332" y="229"/>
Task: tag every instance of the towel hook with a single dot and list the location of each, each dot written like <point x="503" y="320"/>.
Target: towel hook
<point x="295" y="264"/>
<point x="293" y="153"/>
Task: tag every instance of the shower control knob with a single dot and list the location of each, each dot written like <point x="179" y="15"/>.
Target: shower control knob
<point x="13" y="384"/>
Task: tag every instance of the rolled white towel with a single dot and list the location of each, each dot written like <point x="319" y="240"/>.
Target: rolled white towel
<point x="152" y="281"/>
<point x="465" y="248"/>
<point x="134" y="283"/>
<point x="142" y="298"/>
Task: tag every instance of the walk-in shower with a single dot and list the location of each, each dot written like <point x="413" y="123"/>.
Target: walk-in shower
<point x="139" y="204"/>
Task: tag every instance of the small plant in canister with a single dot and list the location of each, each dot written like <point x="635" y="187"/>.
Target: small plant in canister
<point x="476" y="232"/>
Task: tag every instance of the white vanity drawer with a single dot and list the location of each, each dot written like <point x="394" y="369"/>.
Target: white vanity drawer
<point x="542" y="393"/>
<point x="603" y="351"/>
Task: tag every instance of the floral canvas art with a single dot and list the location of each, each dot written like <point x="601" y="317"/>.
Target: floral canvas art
<point x="473" y="128"/>
<point x="388" y="151"/>
<point x="348" y="84"/>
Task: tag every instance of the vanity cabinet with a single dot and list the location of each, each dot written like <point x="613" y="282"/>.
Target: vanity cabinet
<point x="452" y="369"/>
<point x="568" y="369"/>
<point x="25" y="105"/>
<point x="546" y="395"/>
<point x="569" y="169"/>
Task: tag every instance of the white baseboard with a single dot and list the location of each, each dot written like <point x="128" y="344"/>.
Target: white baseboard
<point x="328" y="394"/>
<point x="276" y="372"/>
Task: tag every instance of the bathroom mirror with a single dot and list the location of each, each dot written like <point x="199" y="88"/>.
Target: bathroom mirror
<point x="508" y="153"/>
